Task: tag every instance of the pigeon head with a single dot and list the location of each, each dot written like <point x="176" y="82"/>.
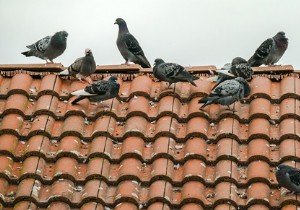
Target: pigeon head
<point x="283" y="168"/>
<point x="88" y="51"/>
<point x="120" y="22"/>
<point x="113" y="79"/>
<point x="247" y="88"/>
<point x="280" y="36"/>
<point x="63" y="34"/>
<point x="158" y="61"/>
<point x="238" y="60"/>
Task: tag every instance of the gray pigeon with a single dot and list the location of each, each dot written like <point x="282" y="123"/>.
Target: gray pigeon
<point x="99" y="91"/>
<point x="239" y="67"/>
<point x="227" y="92"/>
<point x="288" y="177"/>
<point x="172" y="72"/>
<point x="82" y="67"/>
<point x="129" y="46"/>
<point x="49" y="47"/>
<point x="270" y="51"/>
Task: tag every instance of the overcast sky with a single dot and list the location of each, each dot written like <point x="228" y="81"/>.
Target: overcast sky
<point x="190" y="32"/>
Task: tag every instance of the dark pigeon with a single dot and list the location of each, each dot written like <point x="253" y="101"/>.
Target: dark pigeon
<point x="49" y="47"/>
<point x="239" y="67"/>
<point x="270" y="51"/>
<point x="227" y="92"/>
<point x="83" y="67"/>
<point x="99" y="91"/>
<point x="129" y="46"/>
<point x="288" y="177"/>
<point x="172" y="72"/>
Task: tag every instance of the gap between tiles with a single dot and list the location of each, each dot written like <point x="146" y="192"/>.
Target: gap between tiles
<point x="231" y="162"/>
<point x="29" y="203"/>
<point x="101" y="171"/>
<point x="169" y="141"/>
<point x="295" y="128"/>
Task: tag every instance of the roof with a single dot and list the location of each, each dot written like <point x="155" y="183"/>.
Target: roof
<point x="149" y="148"/>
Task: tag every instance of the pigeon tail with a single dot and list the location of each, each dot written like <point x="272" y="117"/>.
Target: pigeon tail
<point x="212" y="79"/>
<point x="79" y="98"/>
<point x="82" y="93"/>
<point x="143" y="61"/>
<point x="192" y="82"/>
<point x="205" y="101"/>
<point x="223" y="71"/>
<point x="28" y="53"/>
<point x="190" y="79"/>
<point x="253" y="62"/>
<point x="64" y="72"/>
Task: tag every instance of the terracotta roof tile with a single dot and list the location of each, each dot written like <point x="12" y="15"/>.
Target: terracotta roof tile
<point x="150" y="148"/>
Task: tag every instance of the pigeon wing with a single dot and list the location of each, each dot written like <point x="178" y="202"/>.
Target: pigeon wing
<point x="41" y="45"/>
<point x="228" y="87"/>
<point x="242" y="70"/>
<point x="262" y="52"/>
<point x="99" y="88"/>
<point x="74" y="68"/>
<point x="132" y="44"/>
<point x="294" y="175"/>
<point x="172" y="69"/>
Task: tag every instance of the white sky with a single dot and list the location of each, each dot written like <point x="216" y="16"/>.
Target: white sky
<point x="190" y="32"/>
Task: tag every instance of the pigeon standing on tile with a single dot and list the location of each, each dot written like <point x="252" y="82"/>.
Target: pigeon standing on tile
<point x="99" y="91"/>
<point x="172" y="73"/>
<point x="239" y="67"/>
<point x="49" y="47"/>
<point x="82" y="67"/>
<point x="227" y="92"/>
<point x="270" y="51"/>
<point x="288" y="177"/>
<point x="129" y="46"/>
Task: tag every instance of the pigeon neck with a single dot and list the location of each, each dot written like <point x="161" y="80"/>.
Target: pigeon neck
<point x="281" y="43"/>
<point x="123" y="27"/>
<point x="58" y="41"/>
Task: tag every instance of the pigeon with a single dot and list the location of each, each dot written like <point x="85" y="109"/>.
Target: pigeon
<point x="172" y="73"/>
<point x="239" y="67"/>
<point x="129" y="46"/>
<point x="227" y="92"/>
<point x="270" y="51"/>
<point x="288" y="177"/>
<point x="99" y="91"/>
<point x="82" y="67"/>
<point x="49" y="47"/>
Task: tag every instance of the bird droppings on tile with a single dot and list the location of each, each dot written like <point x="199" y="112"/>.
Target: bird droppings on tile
<point x="211" y="195"/>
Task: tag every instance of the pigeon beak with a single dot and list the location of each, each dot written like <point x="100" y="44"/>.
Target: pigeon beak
<point x="116" y="22"/>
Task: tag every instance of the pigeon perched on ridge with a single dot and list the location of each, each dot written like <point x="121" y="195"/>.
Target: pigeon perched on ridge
<point x="239" y="67"/>
<point x="270" y="51"/>
<point x="172" y="73"/>
<point x="129" y="46"/>
<point x="288" y="177"/>
<point x="99" y="91"/>
<point x="227" y="92"/>
<point x="49" y="47"/>
<point x="82" y="67"/>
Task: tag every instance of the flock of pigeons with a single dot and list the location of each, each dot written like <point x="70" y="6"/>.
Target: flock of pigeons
<point x="231" y="81"/>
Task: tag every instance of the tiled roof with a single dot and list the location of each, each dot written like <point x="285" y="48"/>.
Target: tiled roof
<point x="148" y="149"/>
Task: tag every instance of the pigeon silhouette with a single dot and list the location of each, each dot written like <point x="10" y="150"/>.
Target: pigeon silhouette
<point x="49" y="47"/>
<point x="129" y="47"/>
<point x="270" y="51"/>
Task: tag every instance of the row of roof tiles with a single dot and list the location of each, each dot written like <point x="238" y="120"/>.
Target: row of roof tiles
<point x="150" y="148"/>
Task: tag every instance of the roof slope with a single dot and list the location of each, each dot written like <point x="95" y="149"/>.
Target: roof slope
<point x="150" y="148"/>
